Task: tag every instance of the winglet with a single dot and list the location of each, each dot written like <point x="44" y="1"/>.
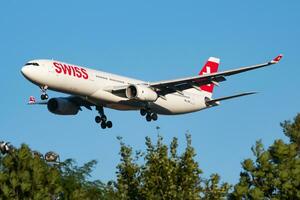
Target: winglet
<point x="277" y="59"/>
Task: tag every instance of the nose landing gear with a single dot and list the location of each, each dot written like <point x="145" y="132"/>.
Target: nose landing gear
<point x="44" y="95"/>
<point x="149" y="115"/>
<point x="102" y="119"/>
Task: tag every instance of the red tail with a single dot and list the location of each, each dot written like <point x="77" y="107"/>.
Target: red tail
<point x="211" y="66"/>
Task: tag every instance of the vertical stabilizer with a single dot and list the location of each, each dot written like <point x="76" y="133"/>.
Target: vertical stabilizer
<point x="211" y="66"/>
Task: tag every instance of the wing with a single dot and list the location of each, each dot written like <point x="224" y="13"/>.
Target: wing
<point x="177" y="85"/>
<point x="79" y="101"/>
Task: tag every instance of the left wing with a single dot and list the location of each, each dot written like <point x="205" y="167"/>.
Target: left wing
<point x="177" y="85"/>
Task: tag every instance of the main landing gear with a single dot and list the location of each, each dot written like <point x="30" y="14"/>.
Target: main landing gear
<point x="149" y="115"/>
<point x="44" y="95"/>
<point x="102" y="119"/>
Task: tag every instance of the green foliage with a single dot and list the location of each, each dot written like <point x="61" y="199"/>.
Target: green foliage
<point x="275" y="173"/>
<point x="76" y="184"/>
<point x="128" y="175"/>
<point x="292" y="131"/>
<point x="164" y="174"/>
<point x="25" y="176"/>
<point x="212" y="189"/>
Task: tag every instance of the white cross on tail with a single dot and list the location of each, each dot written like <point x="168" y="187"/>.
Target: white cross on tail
<point x="207" y="72"/>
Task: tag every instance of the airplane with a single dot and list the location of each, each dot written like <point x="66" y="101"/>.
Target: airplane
<point x="92" y="88"/>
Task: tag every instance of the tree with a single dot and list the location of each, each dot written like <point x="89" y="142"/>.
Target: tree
<point x="213" y="190"/>
<point x="292" y="131"/>
<point x="275" y="173"/>
<point x="24" y="176"/>
<point x="75" y="181"/>
<point x="128" y="174"/>
<point x="164" y="174"/>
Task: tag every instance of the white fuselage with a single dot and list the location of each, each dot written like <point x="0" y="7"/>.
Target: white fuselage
<point x="96" y="87"/>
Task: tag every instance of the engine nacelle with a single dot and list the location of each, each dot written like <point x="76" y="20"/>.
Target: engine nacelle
<point x="62" y="106"/>
<point x="142" y="93"/>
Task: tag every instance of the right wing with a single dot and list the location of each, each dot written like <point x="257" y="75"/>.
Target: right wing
<point x="177" y="85"/>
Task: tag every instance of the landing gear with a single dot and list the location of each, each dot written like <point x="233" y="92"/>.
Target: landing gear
<point x="154" y="116"/>
<point x="102" y="119"/>
<point x="149" y="115"/>
<point x="103" y="125"/>
<point x="148" y="118"/>
<point x="109" y="124"/>
<point x="97" y="119"/>
<point x="106" y="124"/>
<point x="143" y="112"/>
<point x="44" y="95"/>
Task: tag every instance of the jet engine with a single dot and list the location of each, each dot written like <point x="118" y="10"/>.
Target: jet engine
<point x="62" y="106"/>
<point x="140" y="92"/>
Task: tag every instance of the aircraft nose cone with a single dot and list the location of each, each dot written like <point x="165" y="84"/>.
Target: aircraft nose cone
<point x="26" y="71"/>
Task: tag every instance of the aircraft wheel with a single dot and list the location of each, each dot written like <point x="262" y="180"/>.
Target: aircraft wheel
<point x="44" y="96"/>
<point x="148" y="118"/>
<point x="103" y="125"/>
<point x="154" y="116"/>
<point x="103" y="118"/>
<point x="97" y="119"/>
<point x="143" y="112"/>
<point x="109" y="124"/>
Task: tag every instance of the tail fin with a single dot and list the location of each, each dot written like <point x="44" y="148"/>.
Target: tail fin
<point x="211" y="66"/>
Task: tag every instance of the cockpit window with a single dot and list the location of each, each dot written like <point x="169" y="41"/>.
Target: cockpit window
<point x="32" y="63"/>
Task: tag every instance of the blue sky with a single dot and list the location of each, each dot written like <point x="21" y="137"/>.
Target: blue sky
<point x="153" y="40"/>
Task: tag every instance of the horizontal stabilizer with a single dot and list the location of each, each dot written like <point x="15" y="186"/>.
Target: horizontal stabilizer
<point x="39" y="103"/>
<point x="32" y="101"/>
<point x="215" y="102"/>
